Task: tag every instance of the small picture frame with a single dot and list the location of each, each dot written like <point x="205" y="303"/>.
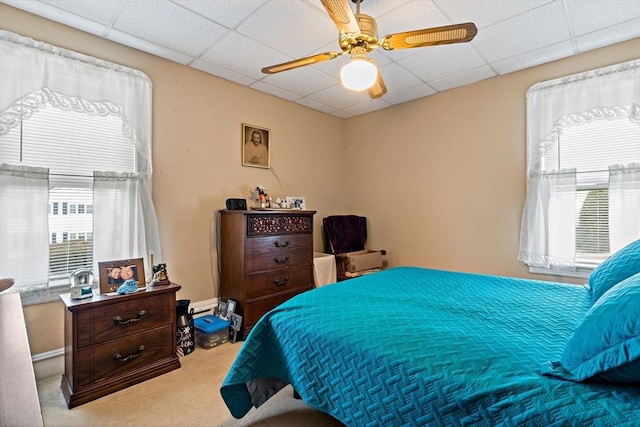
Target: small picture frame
<point x="221" y="310"/>
<point x="114" y="273"/>
<point x="296" y="202"/>
<point x="235" y="322"/>
<point x="256" y="146"/>
<point x="231" y="307"/>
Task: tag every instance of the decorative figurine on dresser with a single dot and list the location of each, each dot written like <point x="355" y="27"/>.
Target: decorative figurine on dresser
<point x="266" y="257"/>
<point x="115" y="341"/>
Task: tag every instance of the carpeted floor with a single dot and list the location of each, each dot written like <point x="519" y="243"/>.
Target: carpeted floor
<point x="187" y="396"/>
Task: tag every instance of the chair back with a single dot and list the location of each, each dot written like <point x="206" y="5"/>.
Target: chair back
<point x="344" y="233"/>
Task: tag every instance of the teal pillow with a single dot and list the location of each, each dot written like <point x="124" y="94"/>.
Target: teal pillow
<point x="606" y="345"/>
<point x="620" y="265"/>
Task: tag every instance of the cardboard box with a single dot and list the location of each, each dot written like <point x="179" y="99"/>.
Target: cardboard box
<point x="362" y="260"/>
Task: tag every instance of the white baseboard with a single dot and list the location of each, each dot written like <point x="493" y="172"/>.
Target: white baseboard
<point x="208" y="304"/>
<point x="51" y="362"/>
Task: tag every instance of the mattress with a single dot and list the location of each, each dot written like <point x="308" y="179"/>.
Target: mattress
<point x="414" y="346"/>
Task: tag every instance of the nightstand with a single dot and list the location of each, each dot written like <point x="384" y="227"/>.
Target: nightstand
<point x="113" y="342"/>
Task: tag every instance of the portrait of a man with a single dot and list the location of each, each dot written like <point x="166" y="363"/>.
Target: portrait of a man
<point x="255" y="147"/>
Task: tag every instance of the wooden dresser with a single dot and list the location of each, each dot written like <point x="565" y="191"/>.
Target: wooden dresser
<point x="113" y="342"/>
<point x="266" y="257"/>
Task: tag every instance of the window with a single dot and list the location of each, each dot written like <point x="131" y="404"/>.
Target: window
<point x="75" y="165"/>
<point x="583" y="193"/>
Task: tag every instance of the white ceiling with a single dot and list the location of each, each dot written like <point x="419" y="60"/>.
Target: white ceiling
<point x="235" y="39"/>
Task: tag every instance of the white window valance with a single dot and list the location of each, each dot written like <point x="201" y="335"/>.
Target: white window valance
<point x="608" y="92"/>
<point x="39" y="72"/>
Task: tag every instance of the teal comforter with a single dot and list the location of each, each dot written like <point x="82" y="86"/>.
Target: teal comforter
<point x="416" y="347"/>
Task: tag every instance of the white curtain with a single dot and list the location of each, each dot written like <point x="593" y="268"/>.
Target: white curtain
<point x="24" y="195"/>
<point x="624" y="205"/>
<point x="120" y="232"/>
<point x="34" y="73"/>
<point x="606" y="92"/>
<point x="550" y="210"/>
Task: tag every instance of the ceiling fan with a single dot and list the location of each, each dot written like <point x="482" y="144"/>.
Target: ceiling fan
<point x="358" y="35"/>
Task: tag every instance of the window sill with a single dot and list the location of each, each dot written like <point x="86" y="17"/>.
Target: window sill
<point x="578" y="273"/>
<point x="33" y="296"/>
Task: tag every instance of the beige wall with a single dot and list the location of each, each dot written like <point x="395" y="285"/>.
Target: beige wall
<point x="197" y="123"/>
<point x="441" y="179"/>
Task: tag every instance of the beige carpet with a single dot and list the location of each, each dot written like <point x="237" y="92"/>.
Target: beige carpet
<point x="188" y="396"/>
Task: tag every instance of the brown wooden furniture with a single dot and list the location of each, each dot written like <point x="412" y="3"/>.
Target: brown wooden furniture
<point x="113" y="342"/>
<point x="19" y="403"/>
<point x="266" y="257"/>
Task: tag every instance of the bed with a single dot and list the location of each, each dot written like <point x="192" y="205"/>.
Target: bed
<point x="416" y="346"/>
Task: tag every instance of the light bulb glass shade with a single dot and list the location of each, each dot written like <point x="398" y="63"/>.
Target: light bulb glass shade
<point x="359" y="74"/>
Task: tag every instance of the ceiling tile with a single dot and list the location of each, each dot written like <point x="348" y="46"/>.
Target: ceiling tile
<point x="233" y="50"/>
<point x="103" y="12"/>
<point x="210" y="68"/>
<point x="608" y="36"/>
<point x="463" y="78"/>
<point x="409" y="94"/>
<point x="227" y="13"/>
<point x="367" y="107"/>
<point x="302" y="81"/>
<point x="396" y="78"/>
<point x="300" y="29"/>
<point x="534" y="57"/>
<point x="169" y="25"/>
<point x="436" y="62"/>
<point x="274" y="90"/>
<point x="338" y="97"/>
<point x="592" y="15"/>
<point x="543" y="26"/>
<point x="149" y="47"/>
<point x="486" y="12"/>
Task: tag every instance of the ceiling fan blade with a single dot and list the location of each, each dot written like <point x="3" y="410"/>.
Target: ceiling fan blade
<point x="342" y="15"/>
<point x="296" y="63"/>
<point x="457" y="33"/>
<point x="379" y="88"/>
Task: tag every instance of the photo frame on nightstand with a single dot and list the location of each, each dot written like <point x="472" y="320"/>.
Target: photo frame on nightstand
<point x="115" y="273"/>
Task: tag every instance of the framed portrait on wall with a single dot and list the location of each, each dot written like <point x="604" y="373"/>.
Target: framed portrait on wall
<point x="256" y="146"/>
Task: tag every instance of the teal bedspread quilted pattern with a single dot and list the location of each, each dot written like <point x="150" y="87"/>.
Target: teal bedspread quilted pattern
<point x="417" y="347"/>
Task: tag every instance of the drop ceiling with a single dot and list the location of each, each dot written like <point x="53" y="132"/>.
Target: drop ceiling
<point x="235" y="39"/>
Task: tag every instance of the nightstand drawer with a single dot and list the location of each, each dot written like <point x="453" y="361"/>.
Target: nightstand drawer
<point x="118" y="357"/>
<point x="124" y="318"/>
<point x="282" y="280"/>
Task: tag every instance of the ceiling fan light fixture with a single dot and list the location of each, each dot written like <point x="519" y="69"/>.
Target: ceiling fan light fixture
<point x="358" y="75"/>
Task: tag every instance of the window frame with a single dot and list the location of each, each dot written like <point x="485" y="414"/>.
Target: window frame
<point x="551" y="107"/>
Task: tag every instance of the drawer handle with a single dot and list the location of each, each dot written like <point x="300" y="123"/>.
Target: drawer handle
<point x="120" y="358"/>
<point x="281" y="260"/>
<point x="281" y="282"/>
<point x="135" y="319"/>
<point x="282" y="245"/>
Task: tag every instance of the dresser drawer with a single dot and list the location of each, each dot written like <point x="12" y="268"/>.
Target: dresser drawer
<point x="253" y="311"/>
<point x="124" y="318"/>
<point x="277" y="244"/>
<point x="276" y="260"/>
<point x="118" y="357"/>
<point x="283" y="280"/>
